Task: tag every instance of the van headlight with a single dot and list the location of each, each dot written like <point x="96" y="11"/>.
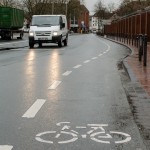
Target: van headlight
<point x="55" y="33"/>
<point x="31" y="33"/>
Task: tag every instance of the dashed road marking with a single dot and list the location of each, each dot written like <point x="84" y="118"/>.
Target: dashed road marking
<point x="67" y="73"/>
<point x="87" y="61"/>
<point x="6" y="147"/>
<point x="100" y="54"/>
<point x="54" y="85"/>
<point x="77" y="66"/>
<point x="33" y="110"/>
<point x="94" y="58"/>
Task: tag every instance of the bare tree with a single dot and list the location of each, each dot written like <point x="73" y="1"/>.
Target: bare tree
<point x="111" y="7"/>
<point x="37" y="7"/>
<point x="11" y="3"/>
<point x="130" y="6"/>
<point x="100" y="9"/>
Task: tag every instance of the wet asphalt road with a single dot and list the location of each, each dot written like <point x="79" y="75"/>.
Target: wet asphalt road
<point x="65" y="98"/>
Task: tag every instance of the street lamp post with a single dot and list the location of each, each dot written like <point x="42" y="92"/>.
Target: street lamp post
<point x="52" y="7"/>
<point x="67" y="6"/>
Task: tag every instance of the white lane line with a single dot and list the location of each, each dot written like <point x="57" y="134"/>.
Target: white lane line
<point x="100" y="54"/>
<point x="14" y="42"/>
<point x="94" y="58"/>
<point x="108" y="46"/>
<point x="33" y="110"/>
<point x="104" y="52"/>
<point x="6" y="147"/>
<point x="77" y="66"/>
<point x="54" y="85"/>
<point x="87" y="61"/>
<point x="67" y="73"/>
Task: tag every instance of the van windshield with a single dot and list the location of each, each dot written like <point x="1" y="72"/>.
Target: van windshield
<point x="45" y="20"/>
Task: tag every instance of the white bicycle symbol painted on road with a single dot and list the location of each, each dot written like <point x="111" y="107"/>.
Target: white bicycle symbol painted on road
<point x="96" y="133"/>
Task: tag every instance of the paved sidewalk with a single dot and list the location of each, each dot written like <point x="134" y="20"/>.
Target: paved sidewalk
<point x="138" y="90"/>
<point x="142" y="73"/>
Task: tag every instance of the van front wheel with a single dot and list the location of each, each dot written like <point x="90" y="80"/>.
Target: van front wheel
<point x="66" y="41"/>
<point x="31" y="45"/>
<point x="60" y="43"/>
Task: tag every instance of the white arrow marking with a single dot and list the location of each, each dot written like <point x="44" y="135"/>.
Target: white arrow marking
<point x="6" y="147"/>
<point x="97" y="125"/>
<point x="33" y="110"/>
<point x="65" y="128"/>
<point x="54" y="85"/>
<point x="60" y="123"/>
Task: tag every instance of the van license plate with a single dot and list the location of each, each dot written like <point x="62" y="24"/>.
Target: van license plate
<point x="42" y="38"/>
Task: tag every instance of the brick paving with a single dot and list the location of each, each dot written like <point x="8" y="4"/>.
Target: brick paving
<point x="142" y="73"/>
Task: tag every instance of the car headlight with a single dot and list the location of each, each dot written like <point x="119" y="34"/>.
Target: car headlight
<point x="31" y="33"/>
<point x="55" y="33"/>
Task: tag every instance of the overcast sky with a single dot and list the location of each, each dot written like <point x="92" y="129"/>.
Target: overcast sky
<point x="90" y="3"/>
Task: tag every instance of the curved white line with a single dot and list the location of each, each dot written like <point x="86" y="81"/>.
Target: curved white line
<point x="68" y="141"/>
<point x="108" y="46"/>
<point x="128" y="137"/>
<point x="39" y="139"/>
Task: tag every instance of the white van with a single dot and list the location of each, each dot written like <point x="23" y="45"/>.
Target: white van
<point x="48" y="29"/>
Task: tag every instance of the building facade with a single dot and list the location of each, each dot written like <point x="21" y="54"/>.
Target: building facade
<point x="80" y="23"/>
<point x="93" y="23"/>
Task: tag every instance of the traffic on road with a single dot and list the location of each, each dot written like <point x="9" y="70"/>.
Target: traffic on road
<point x="68" y="97"/>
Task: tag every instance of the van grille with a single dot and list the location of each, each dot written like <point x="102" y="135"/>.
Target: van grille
<point x="43" y="33"/>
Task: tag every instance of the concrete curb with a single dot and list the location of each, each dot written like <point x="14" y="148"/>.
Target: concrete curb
<point x="125" y="64"/>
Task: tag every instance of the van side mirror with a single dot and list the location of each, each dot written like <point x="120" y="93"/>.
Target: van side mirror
<point x="63" y="25"/>
<point x="27" y="26"/>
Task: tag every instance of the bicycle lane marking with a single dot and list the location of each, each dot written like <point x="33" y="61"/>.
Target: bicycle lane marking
<point x="6" y="147"/>
<point x="96" y="133"/>
<point x="38" y="137"/>
<point x="121" y="133"/>
<point x="33" y="110"/>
